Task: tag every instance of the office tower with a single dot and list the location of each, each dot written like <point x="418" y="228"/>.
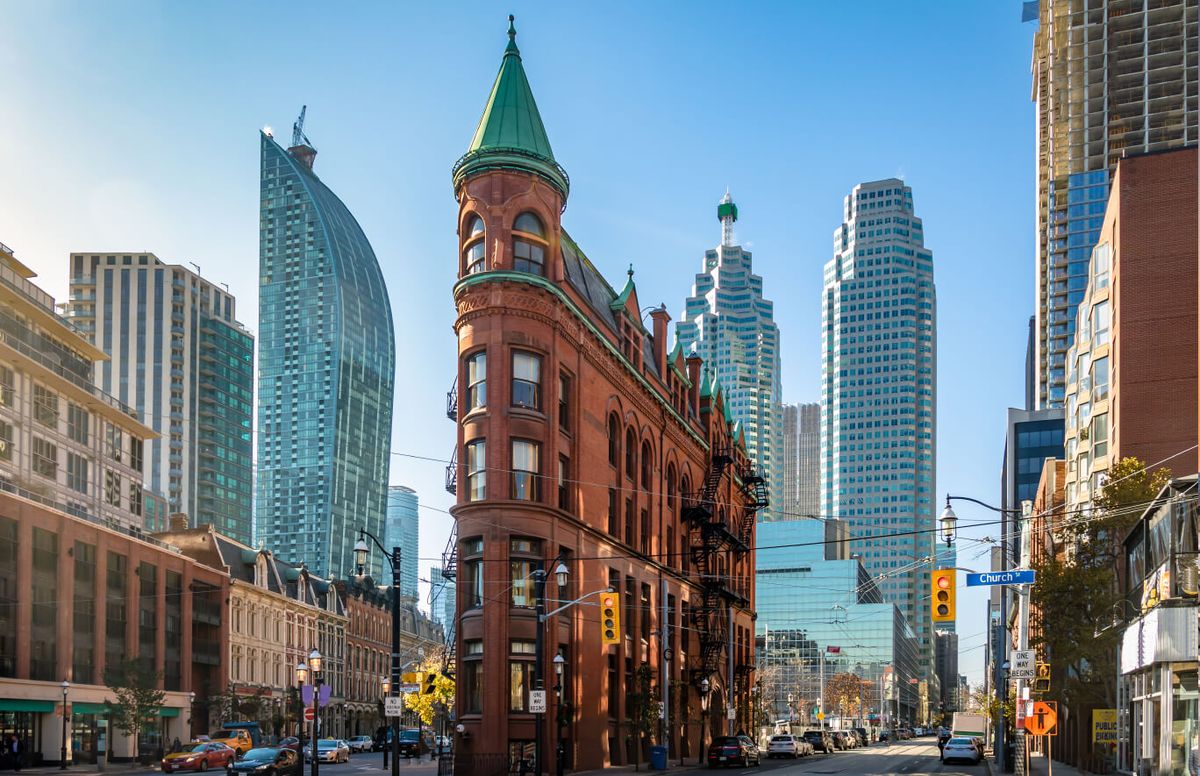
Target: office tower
<point x="1111" y="78"/>
<point x="946" y="669"/>
<point x="178" y="354"/>
<point x="442" y="599"/>
<point x="547" y="350"/>
<point x="1132" y="359"/>
<point x="879" y="394"/>
<point x="840" y="624"/>
<point x="801" y="471"/>
<point x="403" y="530"/>
<point x="326" y="369"/>
<point x="729" y="324"/>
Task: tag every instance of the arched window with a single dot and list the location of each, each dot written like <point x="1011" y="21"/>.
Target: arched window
<point x="614" y="440"/>
<point x="647" y="466"/>
<point x="529" y="255"/>
<point x="671" y="489"/>
<point x="630" y="454"/>
<point x="475" y="250"/>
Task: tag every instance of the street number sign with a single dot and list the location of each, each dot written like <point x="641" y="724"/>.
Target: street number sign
<point x="1023" y="664"/>
<point x="537" y="701"/>
<point x="1015" y="577"/>
<point x="393" y="706"/>
<point x="1042" y="719"/>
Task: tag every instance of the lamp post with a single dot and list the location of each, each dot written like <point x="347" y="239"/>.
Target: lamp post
<point x="314" y="665"/>
<point x="62" y="766"/>
<point x="191" y="713"/>
<point x="559" y="663"/>
<point x="949" y="523"/>
<point x="386" y="685"/>
<point x="360" y="559"/>
<point x="301" y="678"/>
<point x="705" y="687"/>
<point x="539" y="583"/>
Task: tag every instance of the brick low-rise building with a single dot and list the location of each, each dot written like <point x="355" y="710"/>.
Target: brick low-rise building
<point x="585" y="440"/>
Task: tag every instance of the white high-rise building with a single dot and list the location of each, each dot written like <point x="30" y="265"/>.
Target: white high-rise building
<point x="801" y="475"/>
<point x="732" y="327"/>
<point x="879" y="394"/>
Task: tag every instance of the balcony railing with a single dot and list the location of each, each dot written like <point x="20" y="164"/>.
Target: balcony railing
<point x="452" y="474"/>
<point x="452" y="401"/>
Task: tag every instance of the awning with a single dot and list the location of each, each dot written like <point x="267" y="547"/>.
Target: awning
<point x="88" y="708"/>
<point x="24" y="704"/>
<point x="168" y="712"/>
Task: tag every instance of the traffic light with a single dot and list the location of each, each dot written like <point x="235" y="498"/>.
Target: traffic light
<point x="943" y="595"/>
<point x="610" y="618"/>
<point x="427" y="685"/>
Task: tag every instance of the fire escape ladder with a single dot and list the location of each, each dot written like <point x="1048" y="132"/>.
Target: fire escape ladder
<point x="452" y="474"/>
<point x="452" y="401"/>
<point x="450" y="556"/>
<point x="754" y="489"/>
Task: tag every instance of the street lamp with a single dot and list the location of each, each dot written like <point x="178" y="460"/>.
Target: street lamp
<point x="361" y="549"/>
<point x="191" y="713"/>
<point x="559" y="663"/>
<point x="62" y="766"/>
<point x="539" y="582"/>
<point x="301" y="678"/>
<point x="705" y="687"/>
<point x="314" y="665"/>
<point x="949" y="523"/>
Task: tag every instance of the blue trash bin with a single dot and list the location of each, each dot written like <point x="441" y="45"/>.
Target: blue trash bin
<point x="658" y="758"/>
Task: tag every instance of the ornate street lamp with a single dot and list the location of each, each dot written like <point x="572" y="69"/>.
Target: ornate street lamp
<point x="705" y="687"/>
<point x="66" y="686"/>
<point x="301" y="678"/>
<point x="949" y="523"/>
<point x="314" y="665"/>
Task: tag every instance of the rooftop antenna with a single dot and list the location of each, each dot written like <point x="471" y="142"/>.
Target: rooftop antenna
<point x="298" y="136"/>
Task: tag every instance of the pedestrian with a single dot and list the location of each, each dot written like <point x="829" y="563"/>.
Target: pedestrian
<point x="524" y="767"/>
<point x="14" y="750"/>
<point x="176" y="746"/>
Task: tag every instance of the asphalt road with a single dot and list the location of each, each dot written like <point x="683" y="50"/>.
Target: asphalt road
<point x="917" y="757"/>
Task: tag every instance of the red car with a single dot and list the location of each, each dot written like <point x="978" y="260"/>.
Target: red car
<point x="199" y="757"/>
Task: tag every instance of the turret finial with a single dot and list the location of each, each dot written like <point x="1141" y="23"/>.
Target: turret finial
<point x="511" y="48"/>
<point x="630" y="271"/>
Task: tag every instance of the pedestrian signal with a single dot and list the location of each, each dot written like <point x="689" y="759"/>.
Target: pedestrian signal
<point x="610" y="618"/>
<point x="942" y="581"/>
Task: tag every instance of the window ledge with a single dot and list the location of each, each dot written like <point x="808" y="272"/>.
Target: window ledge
<point x="527" y="412"/>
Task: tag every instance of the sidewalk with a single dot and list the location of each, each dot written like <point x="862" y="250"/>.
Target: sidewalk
<point x="673" y="766"/>
<point x="1038" y="766"/>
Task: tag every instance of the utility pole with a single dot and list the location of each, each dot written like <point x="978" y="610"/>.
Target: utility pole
<point x="665" y="662"/>
<point x="821" y="697"/>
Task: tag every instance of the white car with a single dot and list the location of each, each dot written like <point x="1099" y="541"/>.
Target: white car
<point x="360" y="743"/>
<point x="960" y="748"/>
<point x="783" y="745"/>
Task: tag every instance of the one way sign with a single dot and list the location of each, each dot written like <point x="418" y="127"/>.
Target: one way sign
<point x="1023" y="664"/>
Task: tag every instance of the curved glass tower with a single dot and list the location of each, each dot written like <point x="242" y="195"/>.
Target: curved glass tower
<point x="326" y="370"/>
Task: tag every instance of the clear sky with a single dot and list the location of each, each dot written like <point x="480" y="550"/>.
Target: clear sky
<point x="133" y="126"/>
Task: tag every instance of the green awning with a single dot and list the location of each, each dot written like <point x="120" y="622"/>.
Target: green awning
<point x="88" y="708"/>
<point x="168" y="712"/>
<point x="24" y="704"/>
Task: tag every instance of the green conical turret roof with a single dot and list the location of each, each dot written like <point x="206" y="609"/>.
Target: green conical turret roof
<point x="510" y="134"/>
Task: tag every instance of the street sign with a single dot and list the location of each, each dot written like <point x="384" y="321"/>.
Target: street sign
<point x="409" y="688"/>
<point x="537" y="701"/>
<point x="393" y="706"/>
<point x="1014" y="577"/>
<point x="1043" y="719"/>
<point x="308" y="713"/>
<point x="730" y="712"/>
<point x="1023" y="664"/>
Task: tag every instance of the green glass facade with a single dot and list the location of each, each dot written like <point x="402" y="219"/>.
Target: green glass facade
<point x="326" y="371"/>
<point x="225" y="414"/>
<point x="817" y="614"/>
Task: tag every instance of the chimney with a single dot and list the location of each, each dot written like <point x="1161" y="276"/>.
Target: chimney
<point x="179" y="521"/>
<point x="693" y="371"/>
<point x="661" y="318"/>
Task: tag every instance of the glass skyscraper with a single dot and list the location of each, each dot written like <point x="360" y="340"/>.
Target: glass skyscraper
<point x="732" y="327"/>
<point x="879" y="395"/>
<point x="180" y="357"/>
<point x="1115" y="78"/>
<point x="818" y="611"/>
<point x="801" y="472"/>
<point x="326" y="370"/>
<point x="403" y="531"/>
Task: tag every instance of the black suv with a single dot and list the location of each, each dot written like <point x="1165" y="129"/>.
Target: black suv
<point x="821" y="741"/>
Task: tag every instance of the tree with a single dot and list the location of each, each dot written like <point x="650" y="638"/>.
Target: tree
<point x="644" y="708"/>
<point x="440" y="697"/>
<point x="139" y="701"/>
<point x="225" y="706"/>
<point x="843" y="693"/>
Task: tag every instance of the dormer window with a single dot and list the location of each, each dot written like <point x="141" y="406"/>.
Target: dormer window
<point x="529" y="245"/>
<point x="475" y="251"/>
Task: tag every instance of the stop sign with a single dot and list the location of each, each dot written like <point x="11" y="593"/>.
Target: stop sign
<point x="309" y="713"/>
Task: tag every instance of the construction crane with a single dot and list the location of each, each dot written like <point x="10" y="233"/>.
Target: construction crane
<point x="298" y="136"/>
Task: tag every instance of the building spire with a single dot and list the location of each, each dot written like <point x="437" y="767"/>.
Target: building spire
<point x="511" y="48"/>
<point x="727" y="214"/>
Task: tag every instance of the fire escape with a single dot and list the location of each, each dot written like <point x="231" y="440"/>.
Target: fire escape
<point x="716" y="531"/>
<point x="446" y="585"/>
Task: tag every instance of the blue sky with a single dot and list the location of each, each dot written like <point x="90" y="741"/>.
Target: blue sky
<point x="133" y="126"/>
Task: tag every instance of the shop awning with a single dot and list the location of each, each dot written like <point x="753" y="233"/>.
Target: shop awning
<point x="168" y="712"/>
<point x="88" y="708"/>
<point x="24" y="704"/>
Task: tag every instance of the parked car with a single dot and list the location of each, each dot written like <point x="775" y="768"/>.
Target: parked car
<point x="199" y="757"/>
<point x="820" y="740"/>
<point x="784" y="745"/>
<point x="961" y="748"/>
<point x="234" y="738"/>
<point x="412" y="744"/>
<point x="864" y="737"/>
<point x="269" y="761"/>
<point x="329" y="750"/>
<point x="360" y="743"/>
<point x="839" y="740"/>
<point x="291" y="742"/>
<point x="732" y="750"/>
